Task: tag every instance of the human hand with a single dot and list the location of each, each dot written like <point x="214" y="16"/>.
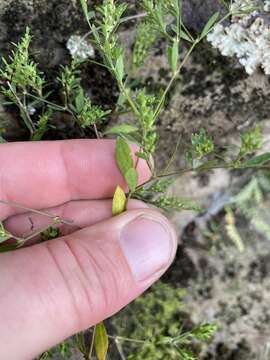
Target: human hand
<point x="52" y="290"/>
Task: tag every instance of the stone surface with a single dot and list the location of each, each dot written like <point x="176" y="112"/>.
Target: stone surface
<point x="51" y="23"/>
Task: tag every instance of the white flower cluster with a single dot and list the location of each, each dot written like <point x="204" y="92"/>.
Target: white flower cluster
<point x="80" y="48"/>
<point x="248" y="35"/>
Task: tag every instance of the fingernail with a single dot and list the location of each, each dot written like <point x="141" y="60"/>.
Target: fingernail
<point x="148" y="245"/>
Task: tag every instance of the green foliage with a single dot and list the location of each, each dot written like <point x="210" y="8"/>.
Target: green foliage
<point x="124" y="159"/>
<point x="145" y="38"/>
<point x="20" y="70"/>
<point x="251" y="141"/>
<point x="123" y="129"/>
<point x="155" y="194"/>
<point x="50" y="234"/>
<point x="160" y="186"/>
<point x="173" y="56"/>
<point x="249" y="202"/>
<point x="20" y="75"/>
<point x="176" y="204"/>
<point x="101" y="342"/>
<point x="202" y="145"/>
<point x="88" y="114"/>
<point x="4" y="234"/>
<point x="209" y="25"/>
<point x="146" y="107"/>
<point x="63" y="350"/>
<point x="119" y="202"/>
<point x="41" y="126"/>
<point x="24" y="87"/>
<point x="70" y="80"/>
<point x="257" y="160"/>
<point x="105" y="38"/>
<point x="150" y="328"/>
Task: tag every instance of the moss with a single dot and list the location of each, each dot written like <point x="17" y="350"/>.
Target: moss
<point x="155" y="317"/>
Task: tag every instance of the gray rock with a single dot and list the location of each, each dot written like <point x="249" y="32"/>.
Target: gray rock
<point x="51" y="23"/>
<point x="197" y="12"/>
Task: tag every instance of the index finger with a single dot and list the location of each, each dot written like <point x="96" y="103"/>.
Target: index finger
<point x="48" y="173"/>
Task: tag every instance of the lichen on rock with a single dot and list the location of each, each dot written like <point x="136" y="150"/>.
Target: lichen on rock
<point x="247" y="36"/>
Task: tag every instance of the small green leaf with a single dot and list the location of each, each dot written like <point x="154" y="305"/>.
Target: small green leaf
<point x="173" y="53"/>
<point x="8" y="247"/>
<point x="257" y="160"/>
<point x="101" y="341"/>
<point x="85" y="8"/>
<point x="142" y="155"/>
<point x="131" y="178"/>
<point x="96" y="34"/>
<point x="119" y="68"/>
<point x="251" y="141"/>
<point x="80" y="101"/>
<point x="209" y="25"/>
<point x="185" y="36"/>
<point x="119" y="201"/>
<point x="4" y="234"/>
<point x="121" y="129"/>
<point x="123" y="156"/>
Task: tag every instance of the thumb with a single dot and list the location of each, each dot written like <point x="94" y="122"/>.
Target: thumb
<point x="52" y="290"/>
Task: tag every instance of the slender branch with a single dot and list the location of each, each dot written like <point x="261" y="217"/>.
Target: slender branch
<point x="123" y="20"/>
<point x="60" y="108"/>
<point x="120" y="350"/>
<point x="25" y="114"/>
<point x="92" y="343"/>
<point x="121" y="338"/>
<point x="23" y="241"/>
<point x="174" y="77"/>
<point x="128" y="98"/>
<point x="39" y="212"/>
<point x="98" y="135"/>
<point x="181" y="172"/>
<point x="173" y="156"/>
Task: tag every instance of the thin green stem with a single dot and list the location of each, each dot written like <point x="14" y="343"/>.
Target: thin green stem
<point x="173" y="156"/>
<point x="120" y="350"/>
<point x="23" y="241"/>
<point x="129" y="99"/>
<point x="39" y="212"/>
<point x="122" y="21"/>
<point x="60" y="108"/>
<point x="25" y="115"/>
<point x="121" y="338"/>
<point x="181" y="172"/>
<point x="92" y="343"/>
<point x="174" y="77"/>
<point x="187" y="31"/>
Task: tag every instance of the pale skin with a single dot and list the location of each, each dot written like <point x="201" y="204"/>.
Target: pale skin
<point x="53" y="290"/>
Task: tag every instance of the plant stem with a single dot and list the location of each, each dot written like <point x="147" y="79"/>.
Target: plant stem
<point x="120" y="350"/>
<point x="123" y="20"/>
<point x="121" y="338"/>
<point x="181" y="172"/>
<point x="25" y="115"/>
<point x="98" y="136"/>
<point x="60" y="108"/>
<point x="39" y="212"/>
<point x="92" y="343"/>
<point x="174" y="77"/>
<point x="128" y="98"/>
<point x="23" y="241"/>
<point x="172" y="157"/>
